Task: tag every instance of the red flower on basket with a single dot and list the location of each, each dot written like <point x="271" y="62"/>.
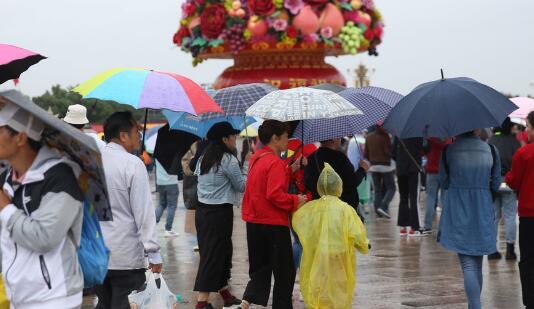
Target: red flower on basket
<point x="316" y="3"/>
<point x="291" y="32"/>
<point x="213" y="21"/>
<point x="180" y="34"/>
<point x="262" y="7"/>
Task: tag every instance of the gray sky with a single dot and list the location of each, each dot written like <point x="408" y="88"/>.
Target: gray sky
<point x="489" y="40"/>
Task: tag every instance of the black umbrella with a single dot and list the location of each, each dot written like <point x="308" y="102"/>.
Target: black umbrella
<point x="15" y="60"/>
<point x="171" y="146"/>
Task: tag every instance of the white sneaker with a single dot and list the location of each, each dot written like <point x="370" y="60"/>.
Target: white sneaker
<point x="171" y="233"/>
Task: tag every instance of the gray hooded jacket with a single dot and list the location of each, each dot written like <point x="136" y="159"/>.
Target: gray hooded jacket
<point x="40" y="234"/>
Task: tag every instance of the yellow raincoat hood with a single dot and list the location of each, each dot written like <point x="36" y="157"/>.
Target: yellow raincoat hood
<point x="330" y="231"/>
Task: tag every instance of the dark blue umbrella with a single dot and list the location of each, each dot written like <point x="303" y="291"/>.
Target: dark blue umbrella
<point x="374" y="102"/>
<point x="447" y="108"/>
<point x="235" y="100"/>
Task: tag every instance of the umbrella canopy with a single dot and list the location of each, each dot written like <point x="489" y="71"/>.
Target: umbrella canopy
<point x="302" y="103"/>
<point x="374" y="102"/>
<point x="236" y="99"/>
<point x="142" y="88"/>
<point x="526" y="105"/>
<point x="447" y="108"/>
<point x="151" y="137"/>
<point x="199" y="126"/>
<point x="330" y="87"/>
<point x="171" y="146"/>
<point x="15" y="60"/>
<point x="79" y="147"/>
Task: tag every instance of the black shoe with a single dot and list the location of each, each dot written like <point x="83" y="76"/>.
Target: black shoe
<point x="208" y="306"/>
<point x="383" y="213"/>
<point x="426" y="231"/>
<point x="495" y="256"/>
<point x="510" y="252"/>
<point x="233" y="304"/>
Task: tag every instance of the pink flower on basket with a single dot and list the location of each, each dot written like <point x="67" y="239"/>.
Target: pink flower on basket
<point x="294" y="6"/>
<point x="368" y="4"/>
<point x="280" y="24"/>
<point x="311" y="38"/>
<point x="327" y="32"/>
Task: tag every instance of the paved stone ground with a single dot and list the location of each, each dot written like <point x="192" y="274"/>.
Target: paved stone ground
<point x="399" y="272"/>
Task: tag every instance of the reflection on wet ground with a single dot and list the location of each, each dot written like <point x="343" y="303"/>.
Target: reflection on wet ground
<point x="399" y="272"/>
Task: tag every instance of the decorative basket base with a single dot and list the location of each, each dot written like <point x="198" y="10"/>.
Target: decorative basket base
<point x="282" y="69"/>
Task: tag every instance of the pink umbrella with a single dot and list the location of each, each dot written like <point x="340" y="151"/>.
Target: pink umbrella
<point x="15" y="60"/>
<point x="526" y="105"/>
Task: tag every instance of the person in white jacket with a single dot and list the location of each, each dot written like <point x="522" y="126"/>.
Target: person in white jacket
<point x="131" y="236"/>
<point x="40" y="217"/>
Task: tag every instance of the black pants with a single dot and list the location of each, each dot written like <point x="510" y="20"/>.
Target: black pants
<point x="526" y="262"/>
<point x="270" y="253"/>
<point x="409" y="193"/>
<point x="214" y="225"/>
<point x="113" y="293"/>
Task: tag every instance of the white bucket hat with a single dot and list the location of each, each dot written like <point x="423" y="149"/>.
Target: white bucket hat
<point x="76" y="114"/>
<point x="20" y="120"/>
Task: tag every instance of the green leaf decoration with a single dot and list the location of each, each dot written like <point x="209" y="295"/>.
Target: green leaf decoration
<point x="199" y="42"/>
<point x="346" y="6"/>
<point x="215" y="43"/>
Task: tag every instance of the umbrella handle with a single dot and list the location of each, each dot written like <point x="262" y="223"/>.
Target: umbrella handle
<point x="144" y="132"/>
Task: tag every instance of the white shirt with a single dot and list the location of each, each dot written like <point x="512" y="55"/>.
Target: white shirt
<point x="132" y="233"/>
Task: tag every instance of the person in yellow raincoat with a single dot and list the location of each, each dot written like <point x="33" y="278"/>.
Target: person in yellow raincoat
<point x="330" y="232"/>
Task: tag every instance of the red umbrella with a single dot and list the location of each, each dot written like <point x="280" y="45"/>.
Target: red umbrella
<point x="15" y="60"/>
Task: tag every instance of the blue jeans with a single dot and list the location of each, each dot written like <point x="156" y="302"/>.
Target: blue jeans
<point x="297" y="249"/>
<point x="472" y="269"/>
<point x="432" y="192"/>
<point x="168" y="199"/>
<point x="505" y="205"/>
<point x="384" y="186"/>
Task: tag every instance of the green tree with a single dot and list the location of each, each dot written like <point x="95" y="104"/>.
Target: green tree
<point x="58" y="100"/>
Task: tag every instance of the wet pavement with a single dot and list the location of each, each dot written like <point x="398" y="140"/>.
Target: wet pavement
<point x="398" y="272"/>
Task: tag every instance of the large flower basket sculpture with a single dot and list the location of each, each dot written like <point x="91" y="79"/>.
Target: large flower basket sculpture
<point x="281" y="42"/>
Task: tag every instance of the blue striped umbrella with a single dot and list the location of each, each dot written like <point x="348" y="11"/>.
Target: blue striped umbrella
<point x="374" y="102"/>
<point x="235" y="100"/>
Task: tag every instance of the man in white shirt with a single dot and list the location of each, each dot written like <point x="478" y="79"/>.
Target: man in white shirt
<point x="131" y="236"/>
<point x="167" y="187"/>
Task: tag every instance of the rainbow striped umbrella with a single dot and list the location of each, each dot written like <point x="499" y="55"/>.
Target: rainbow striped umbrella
<point x="143" y="88"/>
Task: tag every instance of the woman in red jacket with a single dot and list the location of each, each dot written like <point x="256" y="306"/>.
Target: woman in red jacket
<point x="521" y="179"/>
<point x="266" y="209"/>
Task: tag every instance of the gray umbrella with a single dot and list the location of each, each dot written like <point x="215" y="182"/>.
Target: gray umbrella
<point x="330" y="87"/>
<point x="79" y="147"/>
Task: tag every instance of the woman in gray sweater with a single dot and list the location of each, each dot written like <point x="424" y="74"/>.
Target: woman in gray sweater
<point x="220" y="179"/>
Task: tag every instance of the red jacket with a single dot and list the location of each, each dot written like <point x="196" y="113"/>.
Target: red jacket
<point x="434" y="155"/>
<point x="521" y="179"/>
<point x="266" y="200"/>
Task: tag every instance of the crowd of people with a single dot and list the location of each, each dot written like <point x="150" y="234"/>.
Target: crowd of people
<point x="303" y="213"/>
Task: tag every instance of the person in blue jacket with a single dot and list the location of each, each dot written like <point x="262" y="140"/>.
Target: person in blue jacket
<point x="470" y="172"/>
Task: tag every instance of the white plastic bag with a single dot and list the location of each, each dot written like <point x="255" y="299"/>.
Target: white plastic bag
<point x="152" y="297"/>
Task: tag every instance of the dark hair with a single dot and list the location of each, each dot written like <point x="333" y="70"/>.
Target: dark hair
<point x="468" y="133"/>
<point x="506" y="127"/>
<point x="78" y="126"/>
<point x="118" y="122"/>
<point x="34" y="145"/>
<point x="269" y="128"/>
<point x="213" y="155"/>
<point x="530" y="118"/>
